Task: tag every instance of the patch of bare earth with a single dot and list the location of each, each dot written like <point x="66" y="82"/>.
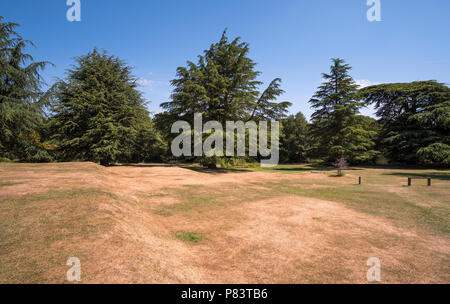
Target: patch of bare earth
<point x="278" y="239"/>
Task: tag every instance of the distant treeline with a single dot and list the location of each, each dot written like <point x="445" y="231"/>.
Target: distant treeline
<point x="97" y="113"/>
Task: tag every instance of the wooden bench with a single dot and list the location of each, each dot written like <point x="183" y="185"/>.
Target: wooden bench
<point x="410" y="181"/>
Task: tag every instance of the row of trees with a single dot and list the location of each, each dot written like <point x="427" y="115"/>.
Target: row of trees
<point x="96" y="113"/>
<point x="413" y="125"/>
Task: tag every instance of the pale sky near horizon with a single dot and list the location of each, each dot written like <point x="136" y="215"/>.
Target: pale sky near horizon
<point x="290" y="39"/>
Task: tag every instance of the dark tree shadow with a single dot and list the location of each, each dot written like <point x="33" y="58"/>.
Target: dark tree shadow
<point x="213" y="171"/>
<point x="432" y="175"/>
<point x="187" y="166"/>
<point x="302" y="169"/>
<point x="152" y="165"/>
<point x="403" y="167"/>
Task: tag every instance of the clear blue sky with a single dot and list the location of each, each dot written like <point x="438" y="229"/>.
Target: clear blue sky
<point x="291" y="39"/>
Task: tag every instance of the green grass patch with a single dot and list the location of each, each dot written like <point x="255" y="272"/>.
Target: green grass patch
<point x="189" y="237"/>
<point x="289" y="169"/>
<point x="162" y="212"/>
<point x="150" y="196"/>
<point x="9" y="184"/>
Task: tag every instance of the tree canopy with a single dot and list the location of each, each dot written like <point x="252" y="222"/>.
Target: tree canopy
<point x="415" y="118"/>
<point x="337" y="130"/>
<point x="223" y="86"/>
<point x="98" y="113"/>
<point x="21" y="98"/>
<point x="295" y="141"/>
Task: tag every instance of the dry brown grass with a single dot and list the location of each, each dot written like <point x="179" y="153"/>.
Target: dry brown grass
<point x="164" y="224"/>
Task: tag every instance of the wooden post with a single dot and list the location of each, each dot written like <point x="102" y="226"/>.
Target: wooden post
<point x="360" y="180"/>
<point x="409" y="181"/>
<point x="429" y="182"/>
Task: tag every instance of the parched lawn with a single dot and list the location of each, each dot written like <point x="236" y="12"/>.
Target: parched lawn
<point x="170" y="224"/>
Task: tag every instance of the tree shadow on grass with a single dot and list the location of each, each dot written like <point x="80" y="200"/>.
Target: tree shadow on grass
<point x="314" y="169"/>
<point x="299" y="169"/>
<point x="187" y="166"/>
<point x="403" y="167"/>
<point x="432" y="175"/>
<point x="214" y="171"/>
<point x="152" y="165"/>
